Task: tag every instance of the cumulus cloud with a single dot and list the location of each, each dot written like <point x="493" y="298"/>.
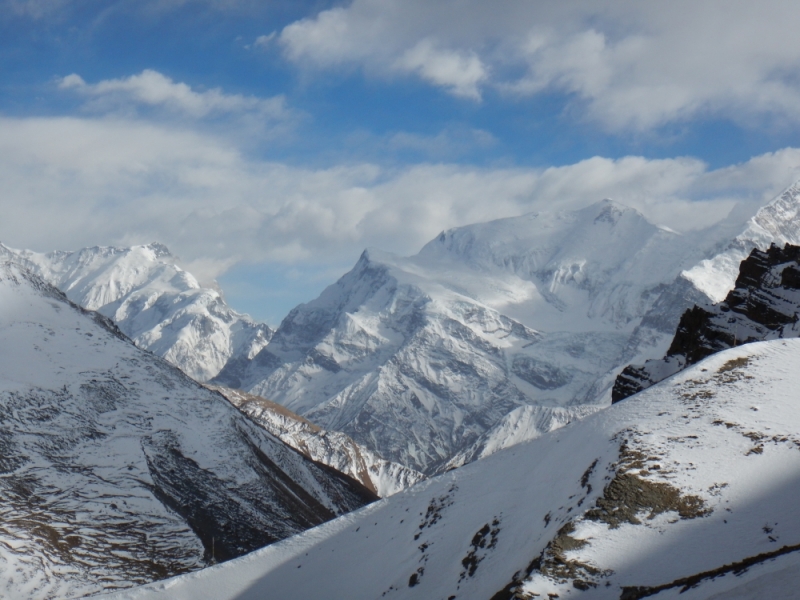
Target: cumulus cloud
<point x="153" y="89"/>
<point x="73" y="182"/>
<point x="628" y="65"/>
<point x="459" y="72"/>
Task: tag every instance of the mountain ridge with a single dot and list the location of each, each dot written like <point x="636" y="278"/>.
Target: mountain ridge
<point x="331" y="448"/>
<point x="119" y="469"/>
<point x="416" y="358"/>
<point x="763" y="305"/>
<point x="160" y="306"/>
<point x="692" y="481"/>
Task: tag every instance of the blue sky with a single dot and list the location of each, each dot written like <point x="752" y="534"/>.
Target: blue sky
<point x="268" y="143"/>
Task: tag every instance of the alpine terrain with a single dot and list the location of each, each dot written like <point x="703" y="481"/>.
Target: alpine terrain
<point x="164" y="309"/>
<point x="117" y="469"/>
<point x="504" y="328"/>
<point x="687" y="490"/>
<point x="763" y="305"/>
<point x="161" y="307"/>
<point x="331" y="448"/>
<point x="497" y="332"/>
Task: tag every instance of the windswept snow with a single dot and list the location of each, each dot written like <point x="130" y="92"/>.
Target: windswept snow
<point x="682" y="482"/>
<point x="776" y="223"/>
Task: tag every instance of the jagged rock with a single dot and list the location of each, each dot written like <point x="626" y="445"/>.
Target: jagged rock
<point x="763" y="305"/>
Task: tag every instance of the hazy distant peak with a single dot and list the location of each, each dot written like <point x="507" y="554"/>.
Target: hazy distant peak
<point x="776" y="222"/>
<point x="159" y="249"/>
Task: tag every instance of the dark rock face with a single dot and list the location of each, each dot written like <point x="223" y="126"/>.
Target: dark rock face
<point x="764" y="305"/>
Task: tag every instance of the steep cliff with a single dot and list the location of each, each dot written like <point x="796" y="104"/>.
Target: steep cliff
<point x="763" y="305"/>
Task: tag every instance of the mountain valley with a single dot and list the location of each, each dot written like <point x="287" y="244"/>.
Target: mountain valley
<point x="686" y="490"/>
<point x="469" y="386"/>
<point x="117" y="469"/>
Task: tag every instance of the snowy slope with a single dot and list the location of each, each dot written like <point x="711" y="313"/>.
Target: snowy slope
<point x="117" y="469"/>
<point x="164" y="309"/>
<point x="157" y="304"/>
<point x="331" y="448"/>
<point x="417" y="358"/>
<point x="692" y="482"/>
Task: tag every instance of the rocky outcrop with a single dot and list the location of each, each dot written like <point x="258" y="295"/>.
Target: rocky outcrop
<point x="332" y="448"/>
<point x="763" y="305"/>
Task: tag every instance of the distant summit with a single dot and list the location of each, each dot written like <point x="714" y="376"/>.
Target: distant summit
<point x="419" y="359"/>
<point x="161" y="307"/>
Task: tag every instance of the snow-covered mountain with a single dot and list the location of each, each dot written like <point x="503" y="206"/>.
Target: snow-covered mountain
<point x="763" y="305"/>
<point x="117" y="469"/>
<point x="775" y="223"/>
<point x="417" y="358"/>
<point x="153" y="301"/>
<point x="331" y="448"/>
<point x="687" y="490"/>
<point x="520" y="425"/>
<point x="165" y="310"/>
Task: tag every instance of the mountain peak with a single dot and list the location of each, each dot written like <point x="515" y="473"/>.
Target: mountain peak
<point x="516" y="301"/>
<point x="777" y="222"/>
<point x="611" y="211"/>
<point x="160" y="250"/>
<point x="157" y="304"/>
<point x="373" y="256"/>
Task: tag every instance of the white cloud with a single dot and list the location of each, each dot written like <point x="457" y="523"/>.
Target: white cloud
<point x="459" y="72"/>
<point x="333" y="37"/>
<point x="73" y="182"/>
<point x="629" y="65"/>
<point x="151" y="88"/>
<point x="264" y="41"/>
